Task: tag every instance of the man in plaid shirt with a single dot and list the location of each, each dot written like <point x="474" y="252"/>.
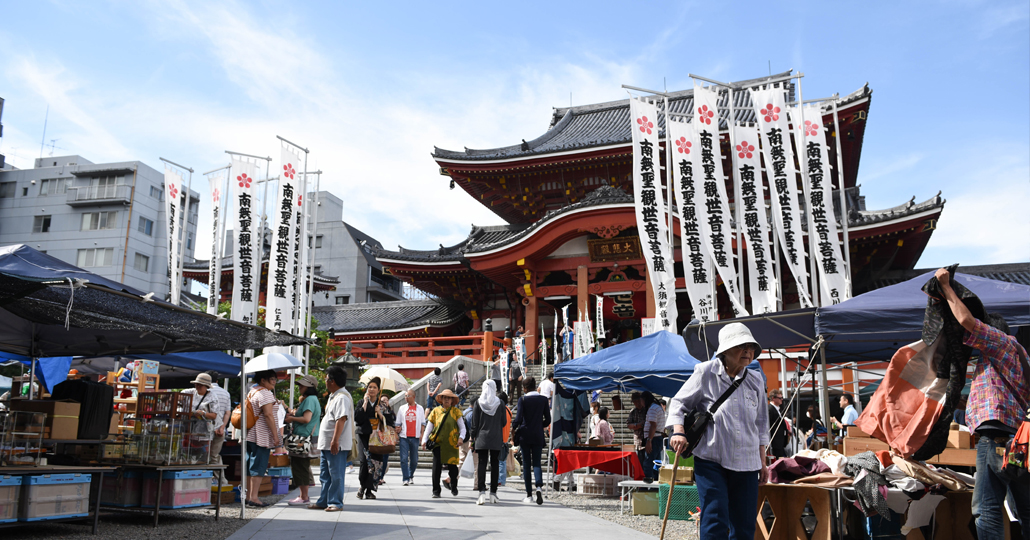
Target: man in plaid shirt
<point x="998" y="400"/>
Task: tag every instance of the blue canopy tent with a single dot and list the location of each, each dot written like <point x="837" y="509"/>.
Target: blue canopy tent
<point x="658" y="362"/>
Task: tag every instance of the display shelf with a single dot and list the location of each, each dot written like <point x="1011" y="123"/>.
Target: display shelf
<point x="21" y="442"/>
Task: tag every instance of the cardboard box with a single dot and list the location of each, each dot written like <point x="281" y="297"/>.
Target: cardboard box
<point x="645" y="503"/>
<point x="684" y="475"/>
<point x="62" y="417"/>
<point x="853" y="431"/>
<point x="959" y="439"/>
<point x="281" y="460"/>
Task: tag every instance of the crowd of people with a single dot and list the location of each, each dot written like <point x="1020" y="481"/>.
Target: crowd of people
<point x="747" y="427"/>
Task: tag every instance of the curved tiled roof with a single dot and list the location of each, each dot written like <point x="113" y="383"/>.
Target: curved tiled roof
<point x="605" y="124"/>
<point x="227" y="265"/>
<point x="380" y="316"/>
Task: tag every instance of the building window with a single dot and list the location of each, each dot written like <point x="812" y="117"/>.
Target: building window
<point x="95" y="257"/>
<point x="318" y="241"/>
<point x="95" y="221"/>
<point x="54" y="186"/>
<point x="24" y="192"/>
<point x="103" y="188"/>
<point x="41" y="224"/>
<point x="142" y="263"/>
<point x="189" y="242"/>
<point x="318" y="268"/>
<point x="342" y="300"/>
<point x="156" y="192"/>
<point x="146" y="226"/>
<point x="7" y="190"/>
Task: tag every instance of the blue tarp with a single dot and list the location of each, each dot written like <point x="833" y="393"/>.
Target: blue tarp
<point x="876" y="324"/>
<point x="54" y="370"/>
<point x="658" y="362"/>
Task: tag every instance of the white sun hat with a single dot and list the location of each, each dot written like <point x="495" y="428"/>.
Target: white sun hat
<point x="734" y="334"/>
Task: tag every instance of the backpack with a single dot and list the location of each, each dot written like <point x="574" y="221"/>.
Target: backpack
<point x="236" y="417"/>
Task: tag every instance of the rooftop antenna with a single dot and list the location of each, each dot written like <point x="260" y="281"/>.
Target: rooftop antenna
<point x="770" y="67"/>
<point x="43" y="141"/>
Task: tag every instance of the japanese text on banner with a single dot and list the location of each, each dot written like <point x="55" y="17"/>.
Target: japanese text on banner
<point x="244" y="287"/>
<point x="748" y="168"/>
<point x="173" y="208"/>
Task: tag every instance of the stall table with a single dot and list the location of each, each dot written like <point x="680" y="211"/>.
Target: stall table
<point x="629" y="486"/>
<point x="962" y="457"/>
<point x="160" y="470"/>
<point x="616" y="461"/>
<point x="95" y="486"/>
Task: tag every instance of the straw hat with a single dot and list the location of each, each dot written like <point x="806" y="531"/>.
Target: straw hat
<point x="734" y="334"/>
<point x="307" y="380"/>
<point x="447" y="394"/>
<point x="203" y="379"/>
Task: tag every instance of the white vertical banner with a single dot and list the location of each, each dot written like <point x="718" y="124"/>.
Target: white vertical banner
<point x="695" y="268"/>
<point x="747" y="167"/>
<point x="244" y="288"/>
<point x="214" y="277"/>
<point x="599" y="316"/>
<point x="279" y="298"/>
<point x="583" y="338"/>
<point x="824" y="243"/>
<point x="173" y="208"/>
<point x="715" y="222"/>
<point x="649" y="200"/>
<point x="779" y="162"/>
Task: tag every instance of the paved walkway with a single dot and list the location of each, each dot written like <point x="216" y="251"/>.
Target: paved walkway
<point x="409" y="512"/>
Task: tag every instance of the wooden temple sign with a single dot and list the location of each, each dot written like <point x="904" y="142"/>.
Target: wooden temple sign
<point x="614" y="249"/>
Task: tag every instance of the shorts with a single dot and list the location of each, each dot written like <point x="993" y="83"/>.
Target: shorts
<point x="301" y="467"/>
<point x="257" y="459"/>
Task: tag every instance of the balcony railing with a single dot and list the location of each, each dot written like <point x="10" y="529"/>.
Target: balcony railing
<point x="99" y="195"/>
<point x="386" y="283"/>
<point x="416" y="349"/>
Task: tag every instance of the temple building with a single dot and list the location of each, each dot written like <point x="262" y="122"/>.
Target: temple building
<point x="567" y="233"/>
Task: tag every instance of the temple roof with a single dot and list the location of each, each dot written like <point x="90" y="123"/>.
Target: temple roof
<point x="483" y="239"/>
<point x="203" y="265"/>
<point x="607" y="124"/>
<point x="1012" y="273"/>
<point x="381" y="316"/>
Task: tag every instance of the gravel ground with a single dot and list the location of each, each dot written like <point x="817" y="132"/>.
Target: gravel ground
<point x="608" y="509"/>
<point x="198" y="523"/>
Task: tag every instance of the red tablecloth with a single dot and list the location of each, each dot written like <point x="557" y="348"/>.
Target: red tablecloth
<point x="613" y="461"/>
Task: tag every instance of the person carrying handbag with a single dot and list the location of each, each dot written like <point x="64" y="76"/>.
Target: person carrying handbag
<point x="729" y="456"/>
<point x="367" y="417"/>
<point x="299" y="445"/>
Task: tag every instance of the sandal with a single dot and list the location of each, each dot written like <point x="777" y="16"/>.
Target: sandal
<point x="257" y="504"/>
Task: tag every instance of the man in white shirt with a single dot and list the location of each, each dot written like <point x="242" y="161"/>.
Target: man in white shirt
<point x="224" y="402"/>
<point x="335" y="437"/>
<point x="547" y="387"/>
<point x="410" y="419"/>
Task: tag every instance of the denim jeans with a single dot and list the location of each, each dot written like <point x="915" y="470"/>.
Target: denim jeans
<point x="430" y="404"/>
<point x="409" y="457"/>
<point x="502" y="469"/>
<point x="531" y="465"/>
<point x="990" y="490"/>
<point x="729" y="500"/>
<point x="331" y="473"/>
<point x="647" y="460"/>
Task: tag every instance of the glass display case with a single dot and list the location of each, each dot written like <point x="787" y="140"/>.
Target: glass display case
<point x="21" y="442"/>
<point x="167" y="433"/>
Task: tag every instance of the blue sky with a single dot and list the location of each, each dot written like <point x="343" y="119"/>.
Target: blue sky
<point x="370" y="88"/>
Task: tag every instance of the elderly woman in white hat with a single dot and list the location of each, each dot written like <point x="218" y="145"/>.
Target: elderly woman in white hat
<point x="301" y="444"/>
<point x="729" y="459"/>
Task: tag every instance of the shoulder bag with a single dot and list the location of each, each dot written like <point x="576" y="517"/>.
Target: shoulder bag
<point x="237" y="415"/>
<point x="695" y="423"/>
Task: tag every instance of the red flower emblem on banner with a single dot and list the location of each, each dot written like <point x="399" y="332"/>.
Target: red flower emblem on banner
<point x="244" y="180"/>
<point x="645" y="125"/>
<point x="173" y="190"/>
<point x="705" y="114"/>
<point x="288" y="171"/>
<point x="745" y="150"/>
<point x="299" y="199"/>
<point x="771" y="113"/>
<point x="215" y="195"/>
<point x="683" y="145"/>
<point x="811" y="129"/>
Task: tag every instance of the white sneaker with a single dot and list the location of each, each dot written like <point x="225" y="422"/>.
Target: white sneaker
<point x="527" y="500"/>
<point x="494" y="499"/>
<point x="405" y="483"/>
<point x="482" y="499"/>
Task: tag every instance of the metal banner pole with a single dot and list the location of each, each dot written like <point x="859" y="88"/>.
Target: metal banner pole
<point x="840" y="194"/>
<point x="311" y="262"/>
<point x="243" y="436"/>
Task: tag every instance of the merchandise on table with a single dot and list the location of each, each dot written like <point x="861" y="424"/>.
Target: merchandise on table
<point x="123" y="489"/>
<point x="62" y="417"/>
<point x="602" y="485"/>
<point x="179" y="489"/>
<point x="55" y="496"/>
<point x="22" y="438"/>
<point x="10" y="491"/>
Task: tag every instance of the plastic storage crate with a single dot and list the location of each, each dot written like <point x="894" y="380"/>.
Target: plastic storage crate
<point x="55" y="496"/>
<point x="10" y="491"/>
<point x="599" y="485"/>
<point x="684" y="500"/>
<point x="280" y="485"/>
<point x="280" y="471"/>
<point x="179" y="489"/>
<point x="122" y="489"/>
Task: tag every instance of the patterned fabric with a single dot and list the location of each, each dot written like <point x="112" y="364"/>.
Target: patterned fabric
<point x="603" y="431"/>
<point x="221" y="396"/>
<point x="656" y="415"/>
<point x="1000" y="390"/>
<point x="261" y="433"/>
<point x="636" y="417"/>
<point x="461" y="379"/>
<point x="452" y="428"/>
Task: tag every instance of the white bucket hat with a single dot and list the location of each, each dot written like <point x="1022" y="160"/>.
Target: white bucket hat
<point x="203" y="379"/>
<point x="734" y="334"/>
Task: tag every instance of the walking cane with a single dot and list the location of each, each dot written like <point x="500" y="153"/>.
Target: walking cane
<point x="668" y="502"/>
